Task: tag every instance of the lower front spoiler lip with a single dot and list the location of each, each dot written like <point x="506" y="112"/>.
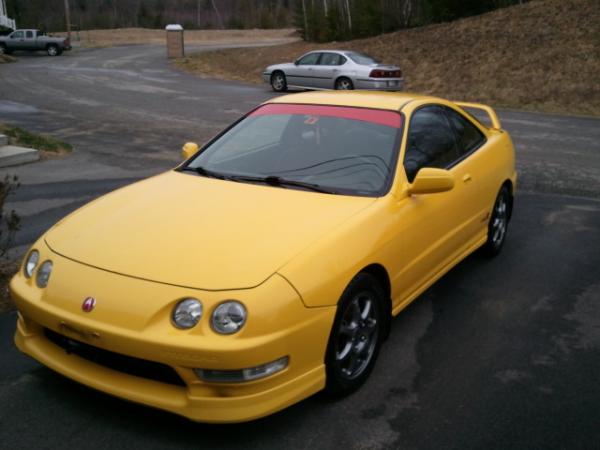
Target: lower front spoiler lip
<point x="178" y="400"/>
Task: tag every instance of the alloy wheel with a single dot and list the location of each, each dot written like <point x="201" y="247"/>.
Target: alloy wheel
<point x="357" y="336"/>
<point x="499" y="220"/>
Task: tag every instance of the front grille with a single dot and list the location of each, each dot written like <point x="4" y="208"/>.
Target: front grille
<point x="116" y="361"/>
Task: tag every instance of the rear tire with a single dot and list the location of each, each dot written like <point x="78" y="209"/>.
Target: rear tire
<point x="498" y="224"/>
<point x="278" y="82"/>
<point x="52" y="50"/>
<point x="343" y="84"/>
<point x="356" y="336"/>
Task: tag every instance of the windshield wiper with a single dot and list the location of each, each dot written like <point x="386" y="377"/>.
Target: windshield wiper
<point x="273" y="180"/>
<point x="206" y="173"/>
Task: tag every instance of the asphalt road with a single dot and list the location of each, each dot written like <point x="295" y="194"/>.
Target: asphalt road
<point x="501" y="353"/>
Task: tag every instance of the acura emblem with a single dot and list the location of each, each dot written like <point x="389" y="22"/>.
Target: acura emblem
<point x="88" y="304"/>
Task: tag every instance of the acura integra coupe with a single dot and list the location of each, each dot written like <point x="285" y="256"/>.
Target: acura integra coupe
<point x="269" y="264"/>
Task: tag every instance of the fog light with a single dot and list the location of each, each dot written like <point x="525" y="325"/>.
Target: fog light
<point x="241" y="375"/>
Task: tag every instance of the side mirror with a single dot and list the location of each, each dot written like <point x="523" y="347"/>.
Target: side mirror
<point x="188" y="150"/>
<point x="296" y="62"/>
<point x="430" y="181"/>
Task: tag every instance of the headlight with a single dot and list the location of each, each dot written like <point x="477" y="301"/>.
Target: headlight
<point x="187" y="313"/>
<point x="229" y="317"/>
<point x="31" y="263"/>
<point x="43" y="274"/>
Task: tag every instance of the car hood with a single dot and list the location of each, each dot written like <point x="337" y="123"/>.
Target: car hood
<point x="187" y="230"/>
<point x="281" y="66"/>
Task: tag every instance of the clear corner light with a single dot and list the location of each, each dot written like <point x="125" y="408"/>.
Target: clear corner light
<point x="43" y="274"/>
<point x="241" y="375"/>
<point x="31" y="263"/>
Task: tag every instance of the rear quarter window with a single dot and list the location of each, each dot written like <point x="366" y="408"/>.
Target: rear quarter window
<point x="468" y="137"/>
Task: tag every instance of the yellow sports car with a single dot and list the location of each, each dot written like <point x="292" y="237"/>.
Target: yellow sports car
<point x="269" y="264"/>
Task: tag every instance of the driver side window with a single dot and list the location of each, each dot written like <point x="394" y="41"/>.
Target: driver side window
<point x="309" y="59"/>
<point x="430" y="143"/>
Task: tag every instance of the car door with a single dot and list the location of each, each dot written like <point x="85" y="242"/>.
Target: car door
<point x="17" y="40"/>
<point x="303" y="72"/>
<point x="29" y="41"/>
<point x="432" y="225"/>
<point x="328" y="69"/>
<point x="476" y="171"/>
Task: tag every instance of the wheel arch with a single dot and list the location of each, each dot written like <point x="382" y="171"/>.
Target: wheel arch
<point x="509" y="184"/>
<point x="380" y="273"/>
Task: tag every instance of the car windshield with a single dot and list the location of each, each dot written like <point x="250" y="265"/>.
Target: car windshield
<point x="333" y="149"/>
<point x="361" y="58"/>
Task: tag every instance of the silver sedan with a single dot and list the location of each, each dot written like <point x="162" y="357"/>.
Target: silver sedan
<point x="334" y="69"/>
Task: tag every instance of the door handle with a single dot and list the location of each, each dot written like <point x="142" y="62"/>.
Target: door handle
<point x="467" y="178"/>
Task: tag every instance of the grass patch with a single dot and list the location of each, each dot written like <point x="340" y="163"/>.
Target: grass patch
<point x="6" y="59"/>
<point x="21" y="137"/>
<point x="7" y="270"/>
<point x="129" y="36"/>
<point x="542" y="56"/>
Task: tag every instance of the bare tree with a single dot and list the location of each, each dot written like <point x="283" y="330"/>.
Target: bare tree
<point x="219" y="18"/>
<point x="349" y="15"/>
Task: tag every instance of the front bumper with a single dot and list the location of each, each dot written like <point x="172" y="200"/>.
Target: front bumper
<point x="302" y="337"/>
<point x="202" y="403"/>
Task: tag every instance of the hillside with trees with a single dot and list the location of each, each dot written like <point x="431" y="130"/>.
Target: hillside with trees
<point x="317" y="20"/>
<point x="542" y="55"/>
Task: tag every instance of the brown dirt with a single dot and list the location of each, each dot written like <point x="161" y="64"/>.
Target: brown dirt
<point x="542" y="55"/>
<point x="6" y="59"/>
<point x="126" y="36"/>
<point x="7" y="270"/>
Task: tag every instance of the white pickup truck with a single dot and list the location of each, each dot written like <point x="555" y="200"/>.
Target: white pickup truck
<point x="33" y="40"/>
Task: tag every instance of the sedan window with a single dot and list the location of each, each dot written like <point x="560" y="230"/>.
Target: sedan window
<point x="468" y="136"/>
<point x="309" y="59"/>
<point x="331" y="59"/>
<point x="361" y="58"/>
<point x="431" y="141"/>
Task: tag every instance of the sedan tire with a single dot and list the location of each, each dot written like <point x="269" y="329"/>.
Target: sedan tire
<point x="278" y="82"/>
<point x="356" y="337"/>
<point x="344" y="84"/>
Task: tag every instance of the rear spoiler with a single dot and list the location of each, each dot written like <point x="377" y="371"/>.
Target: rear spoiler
<point x="489" y="111"/>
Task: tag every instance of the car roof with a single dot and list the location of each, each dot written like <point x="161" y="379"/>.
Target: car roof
<point x="364" y="99"/>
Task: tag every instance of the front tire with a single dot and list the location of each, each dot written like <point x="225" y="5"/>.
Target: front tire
<point x="498" y="224"/>
<point x="344" y="84"/>
<point x="278" y="82"/>
<point x="356" y="337"/>
<point x="52" y="50"/>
